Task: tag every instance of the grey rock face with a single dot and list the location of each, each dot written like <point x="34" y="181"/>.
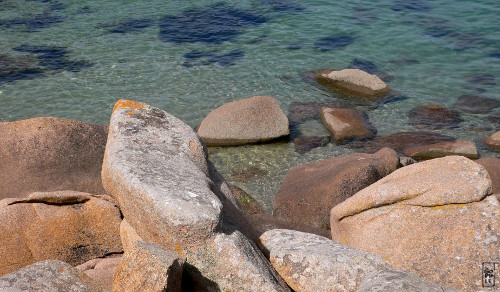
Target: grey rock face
<point x="395" y="281"/>
<point x="49" y="275"/>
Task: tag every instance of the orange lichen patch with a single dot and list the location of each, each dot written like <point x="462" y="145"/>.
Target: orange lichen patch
<point x="193" y="146"/>
<point x="129" y="104"/>
<point x="438" y="207"/>
<point x="344" y="239"/>
<point x="179" y="249"/>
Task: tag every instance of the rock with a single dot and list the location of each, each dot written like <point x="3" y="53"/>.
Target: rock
<point x="128" y="236"/>
<point x="347" y="124"/>
<point x="265" y="222"/>
<point x="400" y="141"/>
<point x="249" y="204"/>
<point x="308" y="262"/>
<point x="309" y="191"/>
<point x="436" y="218"/>
<point x="304" y="144"/>
<point x="492" y="165"/>
<point x="50" y="154"/>
<point x="482" y="78"/>
<point x="476" y="104"/>
<point x="371" y="68"/>
<point x="405" y="161"/>
<point x="392" y="280"/>
<point x="246" y="174"/>
<point x="49" y="275"/>
<point x="462" y="148"/>
<point x="250" y="120"/>
<point x="148" y="267"/>
<point x="300" y="112"/>
<point x="101" y="271"/>
<point x="434" y="116"/>
<point x="74" y="232"/>
<point x="353" y="82"/>
<point x="170" y="194"/>
<point x="494" y="141"/>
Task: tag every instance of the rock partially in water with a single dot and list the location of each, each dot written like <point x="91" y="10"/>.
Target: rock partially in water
<point x="462" y="148"/>
<point x="131" y="25"/>
<point x="333" y="42"/>
<point x="411" y="6"/>
<point x="304" y="144"/>
<point x="434" y="116"/>
<point x="353" y="82"/>
<point x="494" y="141"/>
<point x="482" y="78"/>
<point x="347" y="124"/>
<point x="371" y="68"/>
<point x="247" y="174"/>
<point x="214" y="24"/>
<point x="299" y="112"/>
<point x="248" y="203"/>
<point x="476" y="104"/>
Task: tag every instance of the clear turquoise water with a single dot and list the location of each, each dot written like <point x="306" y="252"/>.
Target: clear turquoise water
<point x="448" y="43"/>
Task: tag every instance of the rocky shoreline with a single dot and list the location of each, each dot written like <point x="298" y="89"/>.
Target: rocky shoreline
<point x="138" y="206"/>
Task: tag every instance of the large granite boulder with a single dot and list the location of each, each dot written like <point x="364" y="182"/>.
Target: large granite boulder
<point x="434" y="116"/>
<point x="49" y="275"/>
<point x="492" y="165"/>
<point x="148" y="267"/>
<point x="494" y="141"/>
<point x="50" y="154"/>
<point x="353" y="82"/>
<point x="436" y="218"/>
<point x="101" y="271"/>
<point x="396" y="281"/>
<point x="69" y="226"/>
<point x="347" y="124"/>
<point x="309" y="191"/>
<point x="430" y="151"/>
<point x="157" y="169"/>
<point x="245" y="121"/>
<point x="310" y="262"/>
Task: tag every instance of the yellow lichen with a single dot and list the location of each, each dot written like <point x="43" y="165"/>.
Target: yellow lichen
<point x="179" y="249"/>
<point x="129" y="104"/>
<point x="344" y="239"/>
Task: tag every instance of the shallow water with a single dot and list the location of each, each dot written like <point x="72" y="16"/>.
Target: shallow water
<point x="74" y="59"/>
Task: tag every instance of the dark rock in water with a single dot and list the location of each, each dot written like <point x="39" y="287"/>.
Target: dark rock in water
<point x="132" y="25"/>
<point x="333" y="42"/>
<point x="392" y="96"/>
<point x="299" y="112"/>
<point x="434" y="26"/>
<point x="57" y="6"/>
<point x="33" y="24"/>
<point x="364" y="15"/>
<point x="296" y="46"/>
<point x="482" y="78"/>
<point x="346" y="125"/>
<point x="411" y="6"/>
<point x="371" y="68"/>
<point x="476" y="89"/>
<point x="304" y="144"/>
<point x="400" y="141"/>
<point x="54" y="58"/>
<point x="284" y="5"/>
<point x="463" y="41"/>
<point x="13" y="67"/>
<point x="249" y="173"/>
<point x="197" y="58"/>
<point x="434" y="116"/>
<point x="248" y="203"/>
<point x="40" y="1"/>
<point x="214" y="24"/>
<point x="84" y="10"/>
<point x="404" y="62"/>
<point x="495" y="54"/>
<point x="476" y="104"/>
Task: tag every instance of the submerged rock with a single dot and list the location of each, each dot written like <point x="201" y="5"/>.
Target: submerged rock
<point x="434" y="116"/>
<point x="245" y="121"/>
<point x="411" y="6"/>
<point x="50" y="154"/>
<point x="304" y="144"/>
<point x="300" y="112"/>
<point x="333" y="42"/>
<point x="42" y="228"/>
<point x="493" y="141"/>
<point x="347" y="124"/>
<point x="248" y="203"/>
<point x="462" y="148"/>
<point x="476" y="104"/>
<point x="354" y="82"/>
<point x="482" y="78"/>
<point x="309" y="191"/>
<point x="436" y="218"/>
<point x="49" y="275"/>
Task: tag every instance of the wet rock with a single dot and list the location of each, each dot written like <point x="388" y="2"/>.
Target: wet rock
<point x="482" y="78"/>
<point x="304" y="144"/>
<point x="74" y="232"/>
<point x="156" y="167"/>
<point x="214" y="24"/>
<point x="300" y="112"/>
<point x="436" y="218"/>
<point x="101" y="271"/>
<point x="434" y="116"/>
<point x="493" y="141"/>
<point x="245" y="121"/>
<point x="462" y="148"/>
<point x="492" y="165"/>
<point x="476" y="104"/>
<point x="49" y="275"/>
<point x="147" y="267"/>
<point x="247" y="174"/>
<point x="248" y="203"/>
<point x="411" y="6"/>
<point x="333" y="42"/>
<point x="347" y="124"/>
<point x="353" y="82"/>
<point x="308" y="262"/>
<point x="400" y="141"/>
<point x="309" y="191"/>
<point x="131" y="25"/>
<point x="50" y="154"/>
